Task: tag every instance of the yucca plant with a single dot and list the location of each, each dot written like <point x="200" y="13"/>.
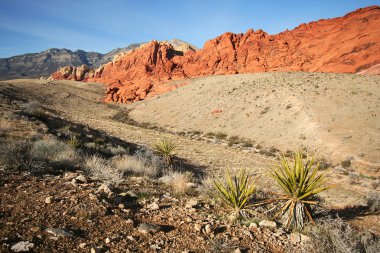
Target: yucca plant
<point x="235" y="191"/>
<point x="299" y="182"/>
<point x="166" y="149"/>
<point x="73" y="142"/>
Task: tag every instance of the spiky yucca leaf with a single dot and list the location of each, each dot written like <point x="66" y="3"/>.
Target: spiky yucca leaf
<point x="166" y="149"/>
<point x="73" y="142"/>
<point x="299" y="182"/>
<point x="235" y="191"/>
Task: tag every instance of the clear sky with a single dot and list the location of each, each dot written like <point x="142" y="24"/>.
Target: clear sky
<point x="101" y="25"/>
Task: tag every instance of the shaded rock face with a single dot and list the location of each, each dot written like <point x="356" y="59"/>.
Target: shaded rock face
<point x="348" y="44"/>
<point x="47" y="62"/>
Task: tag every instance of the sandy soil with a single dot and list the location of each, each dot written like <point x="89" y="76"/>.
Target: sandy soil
<point x="336" y="115"/>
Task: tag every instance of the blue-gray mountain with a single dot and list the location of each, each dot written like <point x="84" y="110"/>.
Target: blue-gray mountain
<point x="47" y="62"/>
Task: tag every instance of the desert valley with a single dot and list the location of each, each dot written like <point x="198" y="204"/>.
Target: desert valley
<point x="252" y="143"/>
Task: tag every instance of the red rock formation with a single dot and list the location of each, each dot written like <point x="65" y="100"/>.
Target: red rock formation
<point x="348" y="44"/>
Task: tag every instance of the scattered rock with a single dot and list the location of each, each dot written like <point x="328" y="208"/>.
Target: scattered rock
<point x="191" y="203"/>
<point x="48" y="200"/>
<point x="81" y="179"/>
<point x="197" y="227"/>
<point x="82" y="245"/>
<point x="267" y="224"/>
<point x="237" y="250"/>
<point x="57" y="232"/>
<point x="105" y="188"/>
<point x="295" y="237"/>
<point x="208" y="229"/>
<point x="153" y="206"/>
<point x="97" y="250"/>
<point x="23" y="246"/>
<point x="107" y="240"/>
<point x="146" y="228"/>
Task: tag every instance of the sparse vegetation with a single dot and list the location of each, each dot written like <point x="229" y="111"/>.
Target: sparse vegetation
<point x="335" y="235"/>
<point x="33" y="108"/>
<point x="103" y="170"/>
<point x="73" y="141"/>
<point x="235" y="191"/>
<point x="131" y="165"/>
<point x="178" y="181"/>
<point x="165" y="148"/>
<point x="299" y="182"/>
<point x="346" y="163"/>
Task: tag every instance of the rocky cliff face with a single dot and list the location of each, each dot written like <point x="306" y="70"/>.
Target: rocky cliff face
<point x="348" y="44"/>
<point x="47" y="62"/>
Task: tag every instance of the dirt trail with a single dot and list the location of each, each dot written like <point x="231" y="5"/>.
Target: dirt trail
<point x="80" y="103"/>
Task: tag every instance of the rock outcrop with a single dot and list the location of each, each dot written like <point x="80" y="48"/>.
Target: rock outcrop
<point x="348" y="44"/>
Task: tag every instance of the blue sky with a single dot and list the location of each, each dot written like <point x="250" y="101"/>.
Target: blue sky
<point x="102" y="25"/>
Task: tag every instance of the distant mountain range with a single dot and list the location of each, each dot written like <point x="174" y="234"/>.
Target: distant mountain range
<point x="47" y="62"/>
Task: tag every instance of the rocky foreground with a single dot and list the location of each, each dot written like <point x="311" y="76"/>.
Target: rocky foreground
<point x="348" y="44"/>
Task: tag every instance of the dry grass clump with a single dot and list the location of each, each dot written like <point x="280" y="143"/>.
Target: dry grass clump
<point x="334" y="235"/>
<point x="373" y="202"/>
<point x="55" y="152"/>
<point x="17" y="155"/>
<point x="103" y="170"/>
<point x="131" y="165"/>
<point x="180" y="182"/>
<point x="150" y="159"/>
<point x="33" y="108"/>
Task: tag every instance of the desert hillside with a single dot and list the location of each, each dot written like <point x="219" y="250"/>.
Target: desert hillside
<point x="347" y="44"/>
<point x="335" y="114"/>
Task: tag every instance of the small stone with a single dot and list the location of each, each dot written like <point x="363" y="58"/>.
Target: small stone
<point x="57" y="232"/>
<point x="252" y="225"/>
<point x="23" y="246"/>
<point x="267" y="224"/>
<point x="107" y="240"/>
<point x="81" y="179"/>
<point x="237" y="250"/>
<point x="121" y="206"/>
<point x="188" y="219"/>
<point x="129" y="221"/>
<point x="97" y="250"/>
<point x="295" y="237"/>
<point x="208" y="229"/>
<point x="197" y="227"/>
<point x="129" y="237"/>
<point x="105" y="188"/>
<point x="82" y="245"/>
<point x="305" y="238"/>
<point x="191" y="203"/>
<point x="48" y="200"/>
<point x="153" y="206"/>
<point x="146" y="228"/>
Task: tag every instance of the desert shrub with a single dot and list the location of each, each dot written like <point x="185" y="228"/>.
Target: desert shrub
<point x="346" y="163"/>
<point x="233" y="140"/>
<point x="33" y="108"/>
<point x="119" y="150"/>
<point x="299" y="182"/>
<point x="131" y="165"/>
<point x="220" y="136"/>
<point x="103" y="170"/>
<point x="17" y="155"/>
<point x="150" y="159"/>
<point x="235" y="191"/>
<point x="335" y="235"/>
<point x="373" y="202"/>
<point x="165" y="148"/>
<point x="179" y="181"/>
<point x="55" y="152"/>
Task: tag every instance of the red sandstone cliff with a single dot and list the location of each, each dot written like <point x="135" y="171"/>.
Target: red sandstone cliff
<point x="348" y="44"/>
